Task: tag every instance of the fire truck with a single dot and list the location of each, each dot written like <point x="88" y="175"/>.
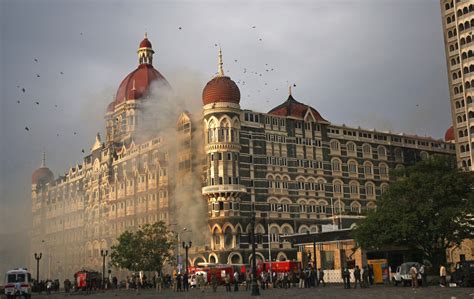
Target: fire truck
<point x="85" y="279"/>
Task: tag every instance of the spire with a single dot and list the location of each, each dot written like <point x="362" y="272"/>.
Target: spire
<point x="220" y="71"/>
<point x="97" y="143"/>
<point x="146" y="34"/>
<point x="43" y="160"/>
<point x="289" y="90"/>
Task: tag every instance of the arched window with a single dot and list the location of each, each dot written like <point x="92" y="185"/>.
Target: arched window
<point x="383" y="188"/>
<point x="335" y="145"/>
<point x="383" y="169"/>
<point x="367" y="150"/>
<point x="351" y="148"/>
<point x="354" y="189"/>
<point x="337" y="187"/>
<point x="339" y="207"/>
<point x="352" y="165"/>
<point x="336" y="165"/>
<point x="355" y="207"/>
<point x="371" y="207"/>
<point x="322" y="205"/>
<point x="370" y="190"/>
<point x="217" y="239"/>
<point x="382" y="152"/>
<point x="368" y="169"/>
<point x="424" y="155"/>
<point x="469" y="100"/>
<point x="228" y="238"/>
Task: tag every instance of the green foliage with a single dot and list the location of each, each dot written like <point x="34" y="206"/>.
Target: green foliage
<point x="429" y="206"/>
<point x="146" y="249"/>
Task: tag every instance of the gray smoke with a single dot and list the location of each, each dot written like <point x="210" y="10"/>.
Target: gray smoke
<point x="160" y="116"/>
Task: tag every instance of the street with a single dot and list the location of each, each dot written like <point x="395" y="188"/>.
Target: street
<point x="334" y="291"/>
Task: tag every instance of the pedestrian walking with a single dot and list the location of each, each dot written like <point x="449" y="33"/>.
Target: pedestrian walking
<point x="346" y="277"/>
<point x="214" y="282"/>
<point x="248" y="280"/>
<point x="365" y="276"/>
<point x="302" y="278"/>
<point x="186" y="282"/>
<point x="321" y="277"/>
<point x="357" y="277"/>
<point x="424" y="282"/>
<point x="178" y="282"/>
<point x="442" y="276"/>
<point x="414" y="276"/>
<point x="236" y="281"/>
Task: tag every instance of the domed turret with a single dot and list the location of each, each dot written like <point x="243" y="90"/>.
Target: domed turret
<point x="43" y="174"/>
<point x="449" y="135"/>
<point x="136" y="84"/>
<point x="221" y="88"/>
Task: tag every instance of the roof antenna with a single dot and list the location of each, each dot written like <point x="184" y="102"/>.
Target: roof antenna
<point x="220" y="69"/>
<point x="43" y="160"/>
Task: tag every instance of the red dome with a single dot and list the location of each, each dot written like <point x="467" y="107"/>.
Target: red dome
<point x="292" y="107"/>
<point x="221" y="89"/>
<point x="42" y="175"/>
<point x="145" y="43"/>
<point x="142" y="77"/>
<point x="449" y="135"/>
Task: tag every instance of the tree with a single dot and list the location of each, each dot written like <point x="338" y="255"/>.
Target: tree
<point x="429" y="206"/>
<point x="146" y="249"/>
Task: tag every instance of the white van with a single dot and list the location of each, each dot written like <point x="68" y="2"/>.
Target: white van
<point x="18" y="283"/>
<point x="402" y="275"/>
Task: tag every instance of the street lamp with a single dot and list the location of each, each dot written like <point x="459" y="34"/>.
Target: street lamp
<point x="186" y="247"/>
<point x="255" y="290"/>
<point x="103" y="253"/>
<point x="37" y="258"/>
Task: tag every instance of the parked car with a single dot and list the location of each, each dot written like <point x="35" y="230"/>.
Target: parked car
<point x="402" y="275"/>
<point x="463" y="275"/>
<point x="18" y="283"/>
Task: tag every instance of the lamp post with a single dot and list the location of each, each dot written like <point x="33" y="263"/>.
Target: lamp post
<point x="103" y="253"/>
<point x="37" y="258"/>
<point x="186" y="247"/>
<point x="255" y="290"/>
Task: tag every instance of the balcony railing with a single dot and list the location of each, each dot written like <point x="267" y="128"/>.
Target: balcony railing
<point x="227" y="188"/>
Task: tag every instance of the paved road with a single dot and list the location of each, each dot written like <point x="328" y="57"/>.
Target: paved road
<point x="327" y="292"/>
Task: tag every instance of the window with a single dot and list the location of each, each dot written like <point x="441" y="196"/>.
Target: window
<point x="336" y="165"/>
<point x="351" y="148"/>
<point x="355" y="207"/>
<point x="383" y="169"/>
<point x="335" y="145"/>
<point x="368" y="169"/>
<point x="352" y="167"/>
<point x="382" y="152"/>
<point x="354" y="188"/>
<point x="366" y="150"/>
<point x="337" y="187"/>
<point x="370" y="190"/>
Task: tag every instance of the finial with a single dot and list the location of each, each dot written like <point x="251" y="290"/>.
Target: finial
<point x="43" y="160"/>
<point x="146" y="34"/>
<point x="289" y="90"/>
<point x="133" y="85"/>
<point x="220" y="71"/>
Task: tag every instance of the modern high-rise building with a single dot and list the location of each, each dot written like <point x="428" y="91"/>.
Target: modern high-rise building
<point x="458" y="25"/>
<point x="210" y="172"/>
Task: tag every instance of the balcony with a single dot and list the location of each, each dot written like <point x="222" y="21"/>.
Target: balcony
<point x="224" y="190"/>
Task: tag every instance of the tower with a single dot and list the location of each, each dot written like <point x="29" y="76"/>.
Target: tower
<point x="459" y="41"/>
<point x="221" y="112"/>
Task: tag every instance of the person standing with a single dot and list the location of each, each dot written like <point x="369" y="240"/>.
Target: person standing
<point x="186" y="282"/>
<point x="159" y="282"/>
<point x="357" y="277"/>
<point x="178" y="282"/>
<point x="236" y="281"/>
<point x="414" y="276"/>
<point x="227" y="283"/>
<point x="365" y="276"/>
<point x="302" y="278"/>
<point x="346" y="277"/>
<point x="442" y="276"/>
<point x="248" y="280"/>
<point x="424" y="282"/>
<point x="321" y="277"/>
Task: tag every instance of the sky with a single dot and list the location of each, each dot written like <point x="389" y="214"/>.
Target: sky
<point x="369" y="63"/>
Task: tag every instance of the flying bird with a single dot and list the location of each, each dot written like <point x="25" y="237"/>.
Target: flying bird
<point x="37" y="103"/>
<point x="61" y="73"/>
<point x="75" y="133"/>
<point x="57" y="135"/>
<point x="23" y="89"/>
<point x="260" y="39"/>
<point x="26" y="128"/>
<point x="81" y="33"/>
<point x="37" y="75"/>
<point x="215" y="45"/>
<point x="18" y="101"/>
<point x="253" y="27"/>
<point x="294" y="85"/>
<point x="235" y="60"/>
<point x="56" y="106"/>
<point x="83" y="151"/>
<point x="179" y="28"/>
<point x="36" y="60"/>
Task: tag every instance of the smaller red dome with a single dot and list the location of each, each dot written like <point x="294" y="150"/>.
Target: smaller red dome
<point x="221" y="89"/>
<point x="449" y="135"/>
<point x="42" y="175"/>
<point x="145" y="43"/>
<point x="292" y="107"/>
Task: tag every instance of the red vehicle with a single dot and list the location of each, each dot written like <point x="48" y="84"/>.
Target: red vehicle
<point x="219" y="270"/>
<point x="283" y="266"/>
<point x="86" y="280"/>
